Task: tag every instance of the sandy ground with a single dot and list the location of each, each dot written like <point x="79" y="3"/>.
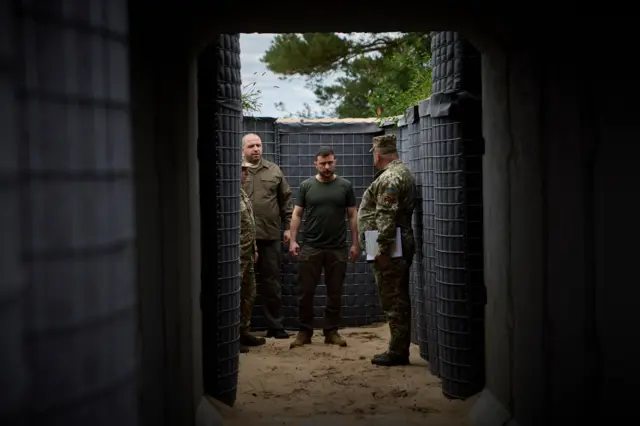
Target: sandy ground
<point x="327" y="385"/>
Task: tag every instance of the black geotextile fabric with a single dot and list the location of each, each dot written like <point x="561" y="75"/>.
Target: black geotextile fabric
<point x="440" y="140"/>
<point x="417" y="153"/>
<point x="458" y="246"/>
<point x="455" y="64"/>
<point x="220" y="129"/>
<point x="412" y="157"/>
<point x="428" y="339"/>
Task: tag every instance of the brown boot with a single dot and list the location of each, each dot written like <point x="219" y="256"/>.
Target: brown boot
<point x="332" y="337"/>
<point x="303" y="338"/>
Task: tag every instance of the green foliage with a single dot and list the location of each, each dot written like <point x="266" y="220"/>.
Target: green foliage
<point x="355" y="76"/>
<point x="403" y="80"/>
<point x="251" y="103"/>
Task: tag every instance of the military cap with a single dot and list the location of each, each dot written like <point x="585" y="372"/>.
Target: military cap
<point x="386" y="144"/>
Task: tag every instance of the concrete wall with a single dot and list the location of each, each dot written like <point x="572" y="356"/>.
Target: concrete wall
<point x="164" y="125"/>
<point x="13" y="368"/>
<point x="559" y="169"/>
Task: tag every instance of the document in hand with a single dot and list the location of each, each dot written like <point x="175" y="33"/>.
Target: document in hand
<point x="371" y="244"/>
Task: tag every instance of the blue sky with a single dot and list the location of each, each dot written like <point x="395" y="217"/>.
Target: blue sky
<point x="292" y="93"/>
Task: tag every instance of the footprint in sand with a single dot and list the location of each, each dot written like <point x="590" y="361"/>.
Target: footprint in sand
<point x="364" y="335"/>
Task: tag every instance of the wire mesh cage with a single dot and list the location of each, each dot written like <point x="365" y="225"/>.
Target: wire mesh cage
<point x="219" y="155"/>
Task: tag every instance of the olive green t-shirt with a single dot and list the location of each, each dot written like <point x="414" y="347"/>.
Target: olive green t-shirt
<point x="325" y="205"/>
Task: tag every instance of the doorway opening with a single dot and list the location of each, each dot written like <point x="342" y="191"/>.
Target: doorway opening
<point x="438" y="136"/>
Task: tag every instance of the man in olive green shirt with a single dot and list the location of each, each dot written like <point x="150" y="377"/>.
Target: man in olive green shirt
<point x="270" y="197"/>
<point x="327" y="199"/>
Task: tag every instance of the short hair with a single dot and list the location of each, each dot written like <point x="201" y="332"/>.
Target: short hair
<point x="248" y="135"/>
<point x="385" y="144"/>
<point x="325" y="151"/>
<point x="385" y="152"/>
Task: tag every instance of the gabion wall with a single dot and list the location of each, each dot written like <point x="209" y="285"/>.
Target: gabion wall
<point x="441" y="141"/>
<point x="220" y="127"/>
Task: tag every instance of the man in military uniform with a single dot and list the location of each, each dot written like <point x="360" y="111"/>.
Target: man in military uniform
<point x="248" y="256"/>
<point x="387" y="204"/>
<point x="270" y="196"/>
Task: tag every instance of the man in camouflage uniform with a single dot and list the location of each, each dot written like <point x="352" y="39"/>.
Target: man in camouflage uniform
<point x="248" y="256"/>
<point x="387" y="204"/>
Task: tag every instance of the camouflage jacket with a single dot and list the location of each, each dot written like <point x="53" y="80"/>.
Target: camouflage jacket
<point x="247" y="227"/>
<point x="270" y="195"/>
<point x="388" y="203"/>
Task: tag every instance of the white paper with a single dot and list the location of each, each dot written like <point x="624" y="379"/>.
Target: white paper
<point x="371" y="244"/>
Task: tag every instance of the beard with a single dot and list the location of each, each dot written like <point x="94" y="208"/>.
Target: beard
<point x="326" y="174"/>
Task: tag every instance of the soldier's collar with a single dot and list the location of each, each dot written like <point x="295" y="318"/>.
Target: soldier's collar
<point x="260" y="164"/>
<point x="379" y="172"/>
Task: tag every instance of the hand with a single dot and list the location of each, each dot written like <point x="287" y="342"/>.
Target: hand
<point x="354" y="253"/>
<point x="255" y="257"/>
<point x="382" y="260"/>
<point x="294" y="248"/>
<point x="287" y="236"/>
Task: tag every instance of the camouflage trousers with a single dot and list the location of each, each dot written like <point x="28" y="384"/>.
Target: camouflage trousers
<point x="247" y="293"/>
<point x="393" y="289"/>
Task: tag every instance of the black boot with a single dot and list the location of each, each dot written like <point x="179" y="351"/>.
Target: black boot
<point x="303" y="338"/>
<point x="243" y="349"/>
<point x="388" y="359"/>
<point x="278" y="334"/>
<point x="251" y="340"/>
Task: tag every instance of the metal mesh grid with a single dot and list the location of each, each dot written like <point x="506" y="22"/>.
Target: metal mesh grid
<point x="265" y="128"/>
<point x="412" y="157"/>
<point x="458" y="219"/>
<point x="228" y="133"/>
<point x="455" y="63"/>
<point x="228" y="184"/>
<point x="458" y="324"/>
<point x="427" y="138"/>
<point x="402" y="142"/>
<point x="360" y="297"/>
<point x="77" y="218"/>
<point x="474" y="247"/>
<point x="402" y="138"/>
<point x="422" y="174"/>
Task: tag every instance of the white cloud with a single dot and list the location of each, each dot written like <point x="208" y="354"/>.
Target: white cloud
<point x="292" y="93"/>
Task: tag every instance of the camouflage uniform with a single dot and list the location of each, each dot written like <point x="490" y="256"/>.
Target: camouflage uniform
<point x="388" y="203"/>
<point x="248" y="250"/>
